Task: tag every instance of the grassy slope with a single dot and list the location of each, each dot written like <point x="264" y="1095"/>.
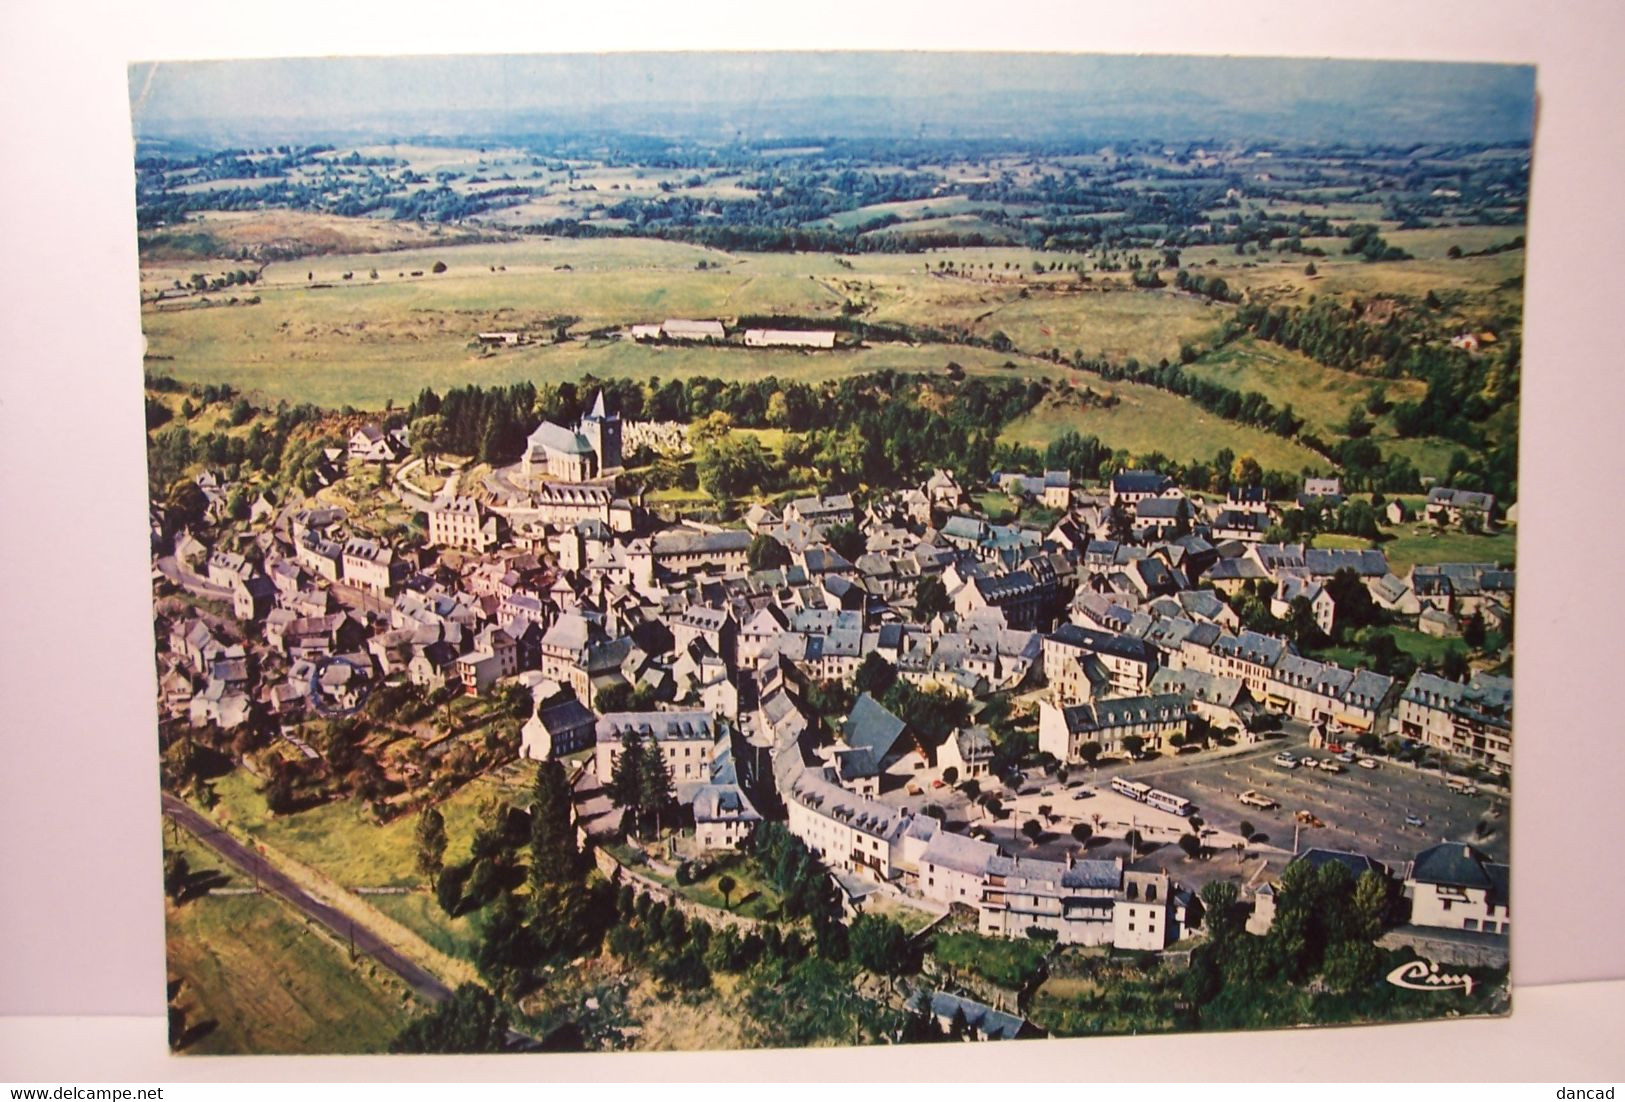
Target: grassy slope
<point x="268" y="981"/>
<point x="1147" y="420"/>
<point x="1321" y="395"/>
<point x="363" y="343"/>
<point x="340" y="839"/>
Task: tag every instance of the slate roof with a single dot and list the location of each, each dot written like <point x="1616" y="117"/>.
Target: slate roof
<point x="686" y="726"/>
<point x="1458" y="865"/>
<point x="1102" y="642"/>
<point x="1139" y="482"/>
<point x="1356" y="863"/>
<point x="870" y="727"/>
<point x="995" y="1025"/>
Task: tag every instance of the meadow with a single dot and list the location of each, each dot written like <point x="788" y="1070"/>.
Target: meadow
<point x="1148" y="420"/>
<point x="1321" y="395"/>
<point x="256" y="977"/>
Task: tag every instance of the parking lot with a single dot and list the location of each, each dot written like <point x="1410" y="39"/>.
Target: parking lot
<point x="1361" y="810"/>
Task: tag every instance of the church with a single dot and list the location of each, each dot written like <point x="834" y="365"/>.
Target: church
<point x="591" y="450"/>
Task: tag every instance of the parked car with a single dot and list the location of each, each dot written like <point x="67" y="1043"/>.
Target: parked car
<point x="1285" y="760"/>
<point x="1368" y="763"/>
<point x="1346" y="757"/>
<point x="1332" y="767"/>
<point x="1309" y="819"/>
<point x="1253" y="798"/>
<point x="1465" y="788"/>
<point x="1412" y="820"/>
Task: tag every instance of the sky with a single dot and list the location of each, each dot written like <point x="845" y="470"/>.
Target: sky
<point x="767" y="95"/>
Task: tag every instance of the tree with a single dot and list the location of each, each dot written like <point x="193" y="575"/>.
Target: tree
<point x="950" y="775"/>
<point x="1369" y="908"/>
<point x="1033" y="830"/>
<point x="1133" y="839"/>
<point x="554" y="856"/>
<point x="560" y="904"/>
<point x="176" y="874"/>
<point x="930" y="598"/>
<point x="726" y="885"/>
<point x="472" y="1020"/>
<point x="875" y="676"/>
<point x="439" y="266"/>
<point x="428" y="436"/>
<point x="766" y="553"/>
<point x="186" y="506"/>
<point x="626" y="775"/>
<point x="729" y="464"/>
<point x="847" y="541"/>
<point x="1246" y="471"/>
<point x="1473" y="632"/>
<point x="431" y="839"/>
<point x="1219" y="908"/>
<point x="1191" y="844"/>
<point x="1246" y="830"/>
<point x="1133" y="744"/>
<point x="655" y="795"/>
<point x="1454" y="665"/>
<point x="1301" y="623"/>
<point x="1081" y="833"/>
<point x="1352" y="600"/>
<point x="1091" y="751"/>
<point x="879" y="945"/>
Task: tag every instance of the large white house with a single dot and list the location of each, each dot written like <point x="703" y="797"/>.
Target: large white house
<point x="1455" y="887"/>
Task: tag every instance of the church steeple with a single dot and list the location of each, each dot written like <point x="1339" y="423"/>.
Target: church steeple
<point x="603" y="431"/>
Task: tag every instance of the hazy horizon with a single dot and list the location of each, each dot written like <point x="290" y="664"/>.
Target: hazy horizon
<point x="762" y="96"/>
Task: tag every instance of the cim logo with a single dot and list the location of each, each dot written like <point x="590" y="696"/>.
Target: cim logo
<point x="1424" y="975"/>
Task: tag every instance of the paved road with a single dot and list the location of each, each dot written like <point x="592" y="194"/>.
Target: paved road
<point x="170" y="568"/>
<point x="252" y="864"/>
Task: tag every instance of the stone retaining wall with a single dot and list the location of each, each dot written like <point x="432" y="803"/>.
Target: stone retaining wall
<point x="617" y="874"/>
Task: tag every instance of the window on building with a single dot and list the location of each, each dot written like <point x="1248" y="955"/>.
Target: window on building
<point x="1470" y="924"/>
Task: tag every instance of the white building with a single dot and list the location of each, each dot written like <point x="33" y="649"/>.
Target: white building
<point x="1455" y="887"/>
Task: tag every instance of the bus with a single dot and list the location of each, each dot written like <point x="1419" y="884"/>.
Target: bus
<point x="1134" y="790"/>
<point x="1167" y="801"/>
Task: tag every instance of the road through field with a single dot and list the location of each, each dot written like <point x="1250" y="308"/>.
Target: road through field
<point x="268" y="877"/>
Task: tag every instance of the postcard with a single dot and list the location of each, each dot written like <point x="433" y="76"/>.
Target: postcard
<point x="712" y="551"/>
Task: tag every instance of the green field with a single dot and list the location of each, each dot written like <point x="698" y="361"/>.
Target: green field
<point x="906" y="210"/>
<point x="1414" y="543"/>
<point x="1121" y="324"/>
<point x="1426" y="648"/>
<point x="1321" y="395"/>
<point x="1149" y="420"/>
<point x="419" y="912"/>
<point x="1004" y="961"/>
<point x="256" y="978"/>
<point x="341" y="841"/>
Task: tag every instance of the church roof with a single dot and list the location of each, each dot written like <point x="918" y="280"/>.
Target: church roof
<point x="557" y="438"/>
